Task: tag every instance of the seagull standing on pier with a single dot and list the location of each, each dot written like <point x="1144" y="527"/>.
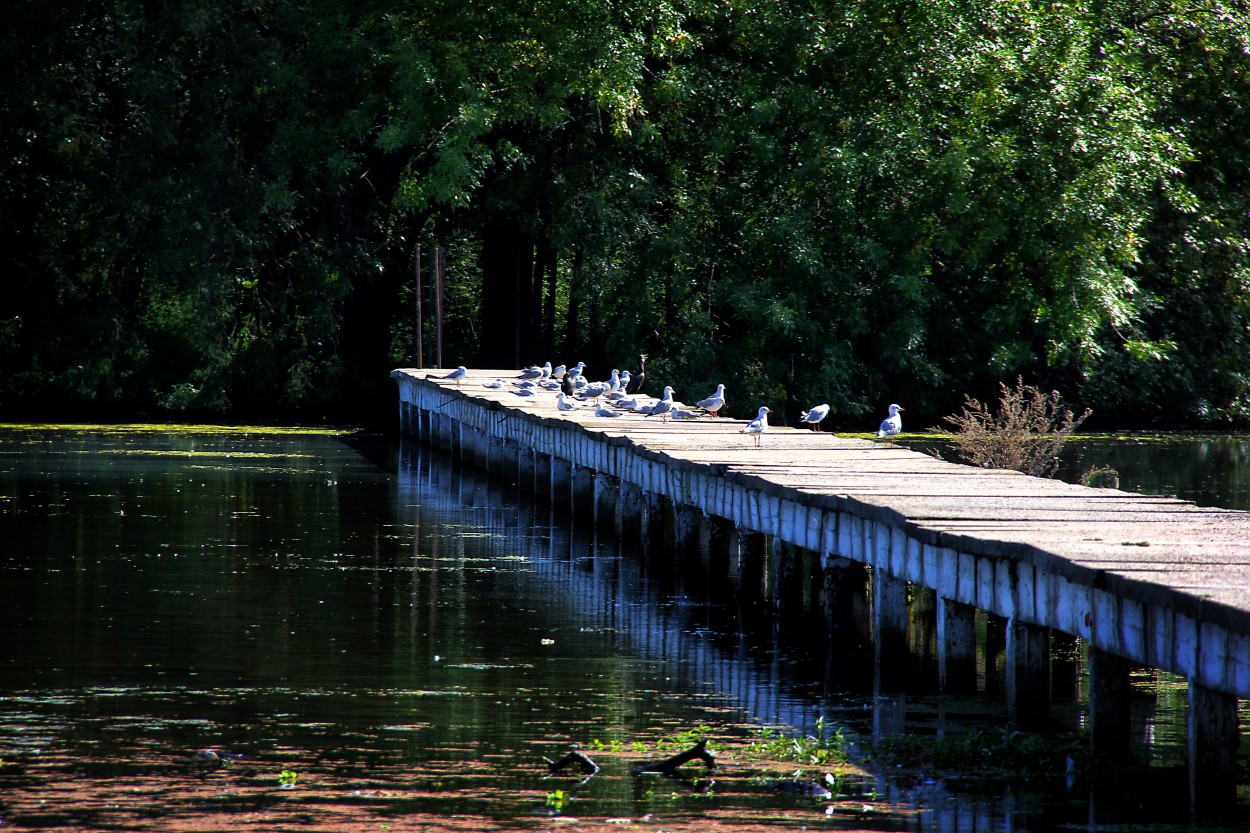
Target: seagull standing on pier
<point x="456" y="375"/>
<point x="564" y="404"/>
<point x="815" y="415"/>
<point x="664" y="406"/>
<point x="759" y="425"/>
<point x="891" y="426"/>
<point x="714" y="402"/>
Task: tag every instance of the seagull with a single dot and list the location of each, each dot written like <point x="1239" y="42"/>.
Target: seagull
<point x="678" y="413"/>
<point x="627" y="404"/>
<point x="892" y="425"/>
<point x="662" y="407"/>
<point x="524" y="392"/>
<point x="568" y="384"/>
<point x="495" y="385"/>
<point x="546" y="368"/>
<point x="759" y="425"/>
<point x="635" y="382"/>
<point x="534" y="372"/>
<point x="815" y="415"/>
<point x="625" y="377"/>
<point x="557" y="372"/>
<point x="526" y="384"/>
<point x="714" y="402"/>
<point x="596" y="389"/>
<point x="605" y="411"/>
<point x="457" y="375"/>
<point x="564" y="404"/>
<point x="615" y="383"/>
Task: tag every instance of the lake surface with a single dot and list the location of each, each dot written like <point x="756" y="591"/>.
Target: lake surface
<point x="378" y="635"/>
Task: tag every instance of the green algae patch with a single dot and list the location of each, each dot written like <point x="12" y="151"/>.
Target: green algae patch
<point x="176" y="428"/>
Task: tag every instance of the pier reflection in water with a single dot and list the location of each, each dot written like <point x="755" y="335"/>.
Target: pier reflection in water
<point x="790" y="653"/>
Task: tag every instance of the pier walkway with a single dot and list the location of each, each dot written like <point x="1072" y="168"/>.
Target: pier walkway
<point x="1142" y="580"/>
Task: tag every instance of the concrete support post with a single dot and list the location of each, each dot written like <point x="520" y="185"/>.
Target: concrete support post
<point x="787" y="581"/>
<point x="1214" y="736"/>
<point x="722" y="546"/>
<point x="889" y="628"/>
<point x="753" y="563"/>
<point x="956" y="647"/>
<point x="495" y="453"/>
<point x="687" y="528"/>
<point x="607" y="496"/>
<point x="542" y="476"/>
<point x="583" y="493"/>
<point x="1028" y="674"/>
<point x="509" y="462"/>
<point x="525" y="471"/>
<point x="1109" y="693"/>
<point x="561" y="484"/>
<point x="421" y="424"/>
<point x="456" y="448"/>
<point x="632" y="511"/>
<point x="653" y="523"/>
<point x="471" y="447"/>
<point x="445" y="428"/>
<point x="405" y="418"/>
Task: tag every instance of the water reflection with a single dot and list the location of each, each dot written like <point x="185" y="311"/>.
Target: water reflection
<point x="412" y="637"/>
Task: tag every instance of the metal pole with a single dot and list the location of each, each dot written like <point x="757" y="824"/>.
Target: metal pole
<point x="417" y="291"/>
<point x="440" y="266"/>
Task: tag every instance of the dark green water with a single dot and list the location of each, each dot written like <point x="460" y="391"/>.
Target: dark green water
<point x="344" y="608"/>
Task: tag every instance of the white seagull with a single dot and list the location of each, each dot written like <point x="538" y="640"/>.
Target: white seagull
<point x="759" y="425"/>
<point x="535" y="372"/>
<point x="714" y="402"/>
<point x="815" y="415"/>
<point x="662" y="408"/>
<point x="456" y="375"/>
<point x="892" y="425"/>
<point x="604" y="411"/>
<point x="678" y="413"/>
<point x="498" y="383"/>
<point x="524" y="392"/>
<point x="564" y="404"/>
<point x="557" y="372"/>
<point x="595" y="389"/>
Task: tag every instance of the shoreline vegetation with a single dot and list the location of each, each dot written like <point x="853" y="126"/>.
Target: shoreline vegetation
<point x="252" y="212"/>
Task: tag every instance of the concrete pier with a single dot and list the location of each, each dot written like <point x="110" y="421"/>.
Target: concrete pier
<point x="1145" y="580"/>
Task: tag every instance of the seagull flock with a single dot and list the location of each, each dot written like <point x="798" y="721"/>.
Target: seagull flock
<point x="621" y="394"/>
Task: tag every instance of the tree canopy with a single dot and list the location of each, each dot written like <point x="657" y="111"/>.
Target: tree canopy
<point x="213" y="209"/>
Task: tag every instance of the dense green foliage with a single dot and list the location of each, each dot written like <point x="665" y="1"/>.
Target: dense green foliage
<point x="212" y="208"/>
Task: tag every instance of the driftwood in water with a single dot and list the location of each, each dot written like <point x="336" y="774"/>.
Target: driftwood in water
<point x="669" y="765"/>
<point x="587" y="766"/>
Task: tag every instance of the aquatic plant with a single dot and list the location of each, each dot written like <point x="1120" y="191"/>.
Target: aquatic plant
<point x="1026" y="434"/>
<point x="1103" y="477"/>
<point x="816" y="750"/>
